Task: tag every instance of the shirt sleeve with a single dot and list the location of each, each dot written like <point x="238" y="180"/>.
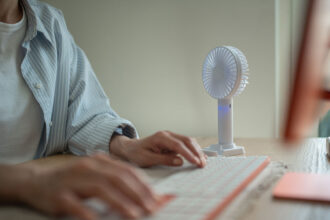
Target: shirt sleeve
<point x="91" y="121"/>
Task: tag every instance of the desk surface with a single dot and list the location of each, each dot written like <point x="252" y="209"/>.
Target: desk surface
<point x="310" y="157"/>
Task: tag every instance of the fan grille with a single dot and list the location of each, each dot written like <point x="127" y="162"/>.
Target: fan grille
<point x="224" y="70"/>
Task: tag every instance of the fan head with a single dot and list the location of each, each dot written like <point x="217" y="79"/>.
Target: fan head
<point x="225" y="72"/>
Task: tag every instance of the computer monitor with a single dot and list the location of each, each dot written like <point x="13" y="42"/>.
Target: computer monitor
<point x="308" y="85"/>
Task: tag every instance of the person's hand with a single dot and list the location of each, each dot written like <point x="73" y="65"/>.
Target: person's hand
<point x="162" y="148"/>
<point x="61" y="190"/>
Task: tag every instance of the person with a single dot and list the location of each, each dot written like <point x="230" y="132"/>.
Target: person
<point x="52" y="102"/>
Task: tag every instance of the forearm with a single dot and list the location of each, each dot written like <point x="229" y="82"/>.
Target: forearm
<point x="14" y="180"/>
<point x="51" y="160"/>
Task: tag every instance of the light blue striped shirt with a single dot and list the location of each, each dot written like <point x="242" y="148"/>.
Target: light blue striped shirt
<point x="76" y="111"/>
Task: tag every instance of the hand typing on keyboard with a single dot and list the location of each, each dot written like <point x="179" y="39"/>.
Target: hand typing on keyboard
<point x="162" y="148"/>
<point x="62" y="189"/>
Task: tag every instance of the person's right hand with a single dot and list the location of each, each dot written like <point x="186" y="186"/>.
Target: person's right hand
<point x="60" y="190"/>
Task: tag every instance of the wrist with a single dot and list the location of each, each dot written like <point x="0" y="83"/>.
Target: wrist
<point x="119" y="146"/>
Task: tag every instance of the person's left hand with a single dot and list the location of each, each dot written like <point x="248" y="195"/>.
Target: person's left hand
<point x="161" y="148"/>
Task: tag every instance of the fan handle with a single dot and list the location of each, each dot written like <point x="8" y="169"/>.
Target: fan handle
<point x="226" y="145"/>
<point x="225" y="123"/>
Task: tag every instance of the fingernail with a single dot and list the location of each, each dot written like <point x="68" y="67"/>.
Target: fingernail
<point x="154" y="196"/>
<point x="150" y="207"/>
<point x="135" y="213"/>
<point x="197" y="160"/>
<point x="158" y="198"/>
<point x="177" y="161"/>
<point x="204" y="161"/>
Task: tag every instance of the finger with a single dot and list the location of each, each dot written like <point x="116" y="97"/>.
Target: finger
<point x="129" y="182"/>
<point x="163" y="159"/>
<point x="178" y="146"/>
<point x="141" y="178"/>
<point x="192" y="145"/>
<point x="73" y="206"/>
<point x="135" y="192"/>
<point x="138" y="176"/>
<point x="114" y="199"/>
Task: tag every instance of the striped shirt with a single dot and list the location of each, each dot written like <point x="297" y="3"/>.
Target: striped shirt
<point x="76" y="111"/>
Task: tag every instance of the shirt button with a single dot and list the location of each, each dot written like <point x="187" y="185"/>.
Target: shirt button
<point x="37" y="85"/>
<point x="50" y="124"/>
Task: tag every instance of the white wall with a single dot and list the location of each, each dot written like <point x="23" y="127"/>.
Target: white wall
<point x="148" y="55"/>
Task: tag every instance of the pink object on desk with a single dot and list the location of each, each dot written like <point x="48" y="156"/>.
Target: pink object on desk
<point x="304" y="186"/>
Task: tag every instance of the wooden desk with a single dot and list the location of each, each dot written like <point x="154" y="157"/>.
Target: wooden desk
<point x="310" y="157"/>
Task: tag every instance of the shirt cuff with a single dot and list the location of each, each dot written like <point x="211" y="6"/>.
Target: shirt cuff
<point x="97" y="138"/>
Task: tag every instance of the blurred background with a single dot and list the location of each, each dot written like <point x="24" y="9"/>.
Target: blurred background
<point x="148" y="56"/>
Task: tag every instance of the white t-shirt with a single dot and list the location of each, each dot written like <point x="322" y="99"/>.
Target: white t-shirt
<point x="21" y="120"/>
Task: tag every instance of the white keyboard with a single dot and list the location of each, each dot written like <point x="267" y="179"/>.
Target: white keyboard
<point x="201" y="194"/>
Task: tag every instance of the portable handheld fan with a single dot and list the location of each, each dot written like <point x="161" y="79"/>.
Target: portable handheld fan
<point x="225" y="76"/>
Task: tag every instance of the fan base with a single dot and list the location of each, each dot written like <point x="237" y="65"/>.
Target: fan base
<point x="217" y="149"/>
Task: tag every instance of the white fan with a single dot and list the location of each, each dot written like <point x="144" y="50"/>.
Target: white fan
<point x="225" y="76"/>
